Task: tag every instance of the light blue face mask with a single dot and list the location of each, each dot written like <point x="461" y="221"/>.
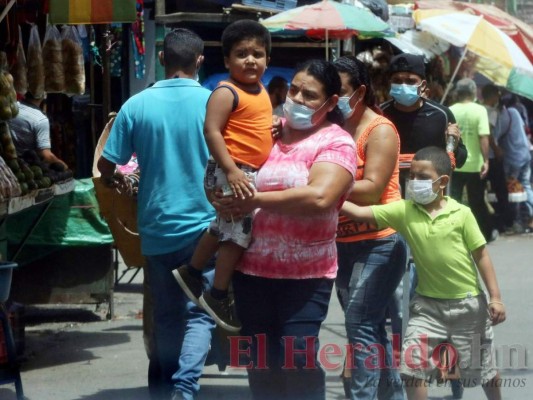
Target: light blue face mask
<point x="299" y="116"/>
<point x="406" y="95"/>
<point x="344" y="106"/>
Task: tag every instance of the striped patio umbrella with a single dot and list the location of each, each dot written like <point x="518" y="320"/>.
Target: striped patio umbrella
<point x="327" y="19"/>
<point x="499" y="57"/>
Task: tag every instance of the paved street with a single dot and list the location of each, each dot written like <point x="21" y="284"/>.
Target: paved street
<point x="83" y="356"/>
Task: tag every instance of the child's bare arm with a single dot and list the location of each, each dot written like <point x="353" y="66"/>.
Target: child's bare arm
<point x="219" y="108"/>
<point x="358" y="213"/>
<point x="486" y="270"/>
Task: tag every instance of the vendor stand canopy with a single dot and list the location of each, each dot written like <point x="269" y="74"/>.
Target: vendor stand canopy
<point x="499" y="57"/>
<point x="92" y="11"/>
<point x="327" y="19"/>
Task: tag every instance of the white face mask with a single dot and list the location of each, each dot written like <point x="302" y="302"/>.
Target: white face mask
<point x="421" y="190"/>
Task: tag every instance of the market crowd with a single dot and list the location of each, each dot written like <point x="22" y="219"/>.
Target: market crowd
<point x="252" y="221"/>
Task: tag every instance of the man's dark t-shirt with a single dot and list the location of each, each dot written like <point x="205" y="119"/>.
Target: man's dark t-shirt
<point x="423" y="127"/>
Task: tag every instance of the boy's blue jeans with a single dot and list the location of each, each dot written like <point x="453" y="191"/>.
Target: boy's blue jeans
<point x="369" y="272"/>
<point x="182" y="331"/>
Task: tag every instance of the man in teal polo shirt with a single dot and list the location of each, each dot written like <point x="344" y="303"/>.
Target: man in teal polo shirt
<point x="163" y="125"/>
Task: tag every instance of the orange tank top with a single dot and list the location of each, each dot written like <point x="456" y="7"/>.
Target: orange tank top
<point x="248" y="132"/>
<point x="350" y="231"/>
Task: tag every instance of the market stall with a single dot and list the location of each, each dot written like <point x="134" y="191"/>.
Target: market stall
<point x="49" y="222"/>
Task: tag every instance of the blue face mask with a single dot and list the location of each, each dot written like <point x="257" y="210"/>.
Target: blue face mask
<point x="299" y="116"/>
<point x="344" y="106"/>
<point x="406" y="95"/>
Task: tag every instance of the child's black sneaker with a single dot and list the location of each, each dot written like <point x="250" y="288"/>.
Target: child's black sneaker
<point x="222" y="311"/>
<point x="191" y="285"/>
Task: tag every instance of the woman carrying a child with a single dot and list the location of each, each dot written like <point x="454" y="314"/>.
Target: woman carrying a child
<point x="284" y="280"/>
<point x="371" y="260"/>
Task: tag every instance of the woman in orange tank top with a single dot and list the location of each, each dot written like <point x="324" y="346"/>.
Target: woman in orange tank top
<point x="371" y="261"/>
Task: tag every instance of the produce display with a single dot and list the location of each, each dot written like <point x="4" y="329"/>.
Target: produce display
<point x="58" y="66"/>
<point x="9" y="185"/>
<point x="8" y="97"/>
<point x="20" y="176"/>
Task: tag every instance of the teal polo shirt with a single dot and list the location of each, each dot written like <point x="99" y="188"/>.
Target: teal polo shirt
<point x="164" y="125"/>
<point x="441" y="245"/>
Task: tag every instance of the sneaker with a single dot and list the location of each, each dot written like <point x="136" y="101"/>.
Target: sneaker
<point x="191" y="285"/>
<point x="222" y="311"/>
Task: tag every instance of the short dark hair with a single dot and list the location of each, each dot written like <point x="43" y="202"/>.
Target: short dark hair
<point x="437" y="156"/>
<point x="245" y="29"/>
<point x="358" y="76"/>
<point x="277" y="82"/>
<point x="181" y="49"/>
<point x="406" y="62"/>
<point x="490" y="90"/>
<point x="326" y="73"/>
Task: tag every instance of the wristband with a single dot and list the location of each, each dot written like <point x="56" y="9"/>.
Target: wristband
<point x="496" y="302"/>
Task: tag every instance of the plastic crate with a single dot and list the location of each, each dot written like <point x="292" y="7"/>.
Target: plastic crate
<point x="272" y="4"/>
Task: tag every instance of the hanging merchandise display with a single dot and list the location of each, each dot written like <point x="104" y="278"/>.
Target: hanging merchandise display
<point x="19" y="70"/>
<point x="35" y="65"/>
<point x="137" y="37"/>
<point x="91" y="11"/>
<point x="73" y="64"/>
<point x="54" y="76"/>
<point x="115" y="55"/>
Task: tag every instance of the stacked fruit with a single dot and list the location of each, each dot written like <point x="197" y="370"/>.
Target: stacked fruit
<point x="30" y="171"/>
<point x="9" y="154"/>
<point x="46" y="174"/>
<point x="8" y="97"/>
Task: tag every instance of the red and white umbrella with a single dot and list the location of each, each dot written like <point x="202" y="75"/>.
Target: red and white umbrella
<point x="327" y="19"/>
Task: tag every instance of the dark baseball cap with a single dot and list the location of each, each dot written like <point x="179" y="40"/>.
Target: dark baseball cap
<point x="408" y="63"/>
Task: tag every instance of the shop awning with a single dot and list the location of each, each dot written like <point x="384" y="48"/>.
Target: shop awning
<point x="92" y="11"/>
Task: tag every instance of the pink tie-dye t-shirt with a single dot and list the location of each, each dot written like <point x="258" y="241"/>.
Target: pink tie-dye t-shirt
<point x="286" y="246"/>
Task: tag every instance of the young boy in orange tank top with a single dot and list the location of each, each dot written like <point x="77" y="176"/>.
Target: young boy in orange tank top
<point x="238" y="133"/>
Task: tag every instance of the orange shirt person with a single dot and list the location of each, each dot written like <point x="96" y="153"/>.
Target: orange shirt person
<point x="238" y="133"/>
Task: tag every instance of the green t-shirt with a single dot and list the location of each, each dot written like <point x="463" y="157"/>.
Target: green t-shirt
<point x="441" y="246"/>
<point x="473" y="121"/>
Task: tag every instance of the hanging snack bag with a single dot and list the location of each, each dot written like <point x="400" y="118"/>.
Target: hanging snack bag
<point x="35" y="65"/>
<point x="19" y="70"/>
<point x="54" y="77"/>
<point x="73" y="65"/>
